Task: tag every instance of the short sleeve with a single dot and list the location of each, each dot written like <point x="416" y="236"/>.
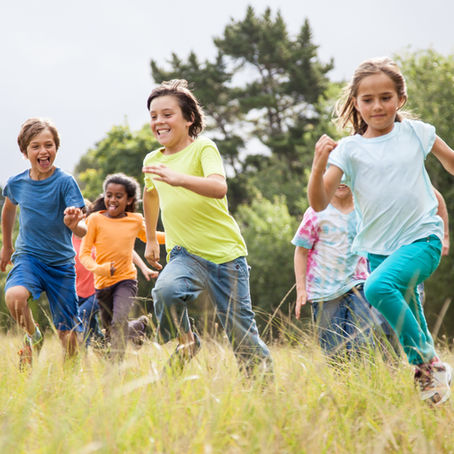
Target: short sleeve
<point x="307" y="234"/>
<point x="148" y="161"/>
<point x="7" y="192"/>
<point x="425" y="133"/>
<point x="211" y="161"/>
<point x="72" y="194"/>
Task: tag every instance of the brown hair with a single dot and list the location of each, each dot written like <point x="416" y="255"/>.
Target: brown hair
<point x="31" y="128"/>
<point x="190" y="107"/>
<point x="345" y="110"/>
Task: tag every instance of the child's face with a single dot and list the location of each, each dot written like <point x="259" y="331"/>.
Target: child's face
<point x="377" y="102"/>
<point x="41" y="152"/>
<point x="168" y="124"/>
<point x="116" y="200"/>
<point x="343" y="192"/>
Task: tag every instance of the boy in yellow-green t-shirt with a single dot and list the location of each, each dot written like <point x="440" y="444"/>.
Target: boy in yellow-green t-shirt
<point x="185" y="179"/>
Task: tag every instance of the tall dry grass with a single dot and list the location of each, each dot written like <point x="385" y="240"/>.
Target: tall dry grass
<point x="93" y="406"/>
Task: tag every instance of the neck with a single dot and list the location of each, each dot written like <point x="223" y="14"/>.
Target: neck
<point x="344" y="205"/>
<point x="178" y="147"/>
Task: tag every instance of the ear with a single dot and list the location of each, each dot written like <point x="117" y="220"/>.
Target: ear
<point x="130" y="201"/>
<point x="402" y="102"/>
<point x="355" y="102"/>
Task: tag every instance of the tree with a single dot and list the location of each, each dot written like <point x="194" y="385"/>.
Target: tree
<point x="122" y="150"/>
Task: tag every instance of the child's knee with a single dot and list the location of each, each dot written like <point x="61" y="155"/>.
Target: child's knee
<point x="376" y="290"/>
<point x="167" y="294"/>
<point x="16" y="298"/>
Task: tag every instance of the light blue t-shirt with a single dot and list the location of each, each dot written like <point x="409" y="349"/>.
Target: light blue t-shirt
<point x="42" y="232"/>
<point x="391" y="188"/>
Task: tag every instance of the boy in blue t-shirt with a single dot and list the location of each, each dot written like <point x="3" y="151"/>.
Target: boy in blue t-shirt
<point x="50" y="211"/>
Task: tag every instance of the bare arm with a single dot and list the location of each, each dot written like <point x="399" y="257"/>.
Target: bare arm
<point x="213" y="186"/>
<point x="444" y="154"/>
<point x="151" y="213"/>
<point x="147" y="272"/>
<point x="322" y="185"/>
<point x="8" y="217"/>
<point x="300" y="266"/>
<point x="443" y="213"/>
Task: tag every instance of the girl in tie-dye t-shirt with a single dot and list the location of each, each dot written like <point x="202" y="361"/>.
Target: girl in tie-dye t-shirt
<point x="330" y="276"/>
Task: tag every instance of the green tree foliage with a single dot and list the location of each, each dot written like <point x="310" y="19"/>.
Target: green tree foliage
<point x="263" y="85"/>
<point x="268" y="227"/>
<point x="122" y="150"/>
<point x="430" y="80"/>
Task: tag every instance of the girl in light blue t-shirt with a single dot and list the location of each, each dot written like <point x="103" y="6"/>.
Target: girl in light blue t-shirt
<point x="399" y="230"/>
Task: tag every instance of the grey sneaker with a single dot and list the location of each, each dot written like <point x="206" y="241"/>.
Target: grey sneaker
<point x="434" y="382"/>
<point x="181" y="356"/>
<point x="32" y="344"/>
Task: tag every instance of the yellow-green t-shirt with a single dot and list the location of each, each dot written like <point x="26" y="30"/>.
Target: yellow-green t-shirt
<point x="202" y="225"/>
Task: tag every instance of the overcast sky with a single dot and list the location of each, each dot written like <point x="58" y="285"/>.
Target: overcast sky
<point x="85" y="64"/>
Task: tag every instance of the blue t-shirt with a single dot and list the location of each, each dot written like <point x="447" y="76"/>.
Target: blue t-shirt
<point x="42" y="232"/>
<point x="391" y="188"/>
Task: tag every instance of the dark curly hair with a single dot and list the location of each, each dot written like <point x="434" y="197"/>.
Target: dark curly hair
<point x="132" y="189"/>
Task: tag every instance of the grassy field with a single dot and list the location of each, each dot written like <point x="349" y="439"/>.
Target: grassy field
<point x="93" y="406"/>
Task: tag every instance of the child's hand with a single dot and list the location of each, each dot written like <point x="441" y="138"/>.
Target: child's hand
<point x="324" y="146"/>
<point x="149" y="273"/>
<point x="152" y="254"/>
<point x="301" y="300"/>
<point x="72" y="216"/>
<point x="445" y="246"/>
<point x="165" y="174"/>
<point x="5" y="257"/>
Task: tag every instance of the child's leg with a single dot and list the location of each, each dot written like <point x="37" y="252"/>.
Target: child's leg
<point x="360" y="318"/>
<point x="69" y="342"/>
<point x="16" y="299"/>
<point x="229" y="291"/>
<point x="391" y="287"/>
<point x="123" y="294"/>
<point x="329" y="319"/>
<point x="179" y="284"/>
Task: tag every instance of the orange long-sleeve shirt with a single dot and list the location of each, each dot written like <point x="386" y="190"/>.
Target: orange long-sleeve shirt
<point x="113" y="239"/>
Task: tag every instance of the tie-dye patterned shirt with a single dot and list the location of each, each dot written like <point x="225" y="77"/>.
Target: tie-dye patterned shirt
<point x="332" y="269"/>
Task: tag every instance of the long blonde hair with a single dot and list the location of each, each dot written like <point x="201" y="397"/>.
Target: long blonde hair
<point x="346" y="113"/>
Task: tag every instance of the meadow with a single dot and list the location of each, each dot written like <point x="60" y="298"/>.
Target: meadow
<point x="90" y="405"/>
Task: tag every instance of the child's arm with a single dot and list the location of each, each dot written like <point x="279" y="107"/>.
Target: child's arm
<point x="151" y="213"/>
<point x="213" y="186"/>
<point x="443" y="213"/>
<point x="74" y="220"/>
<point x="444" y="154"/>
<point x="322" y="185"/>
<point x="300" y="265"/>
<point x="147" y="272"/>
<point x="8" y="217"/>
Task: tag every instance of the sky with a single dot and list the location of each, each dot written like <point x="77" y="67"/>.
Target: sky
<point x="86" y="64"/>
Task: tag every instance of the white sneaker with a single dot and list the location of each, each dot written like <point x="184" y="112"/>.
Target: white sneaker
<point x="434" y="381"/>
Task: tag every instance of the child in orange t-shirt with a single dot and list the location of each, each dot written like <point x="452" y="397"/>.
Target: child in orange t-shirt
<point x="113" y="227"/>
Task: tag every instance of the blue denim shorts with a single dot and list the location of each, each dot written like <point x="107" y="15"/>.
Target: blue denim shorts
<point x="59" y="283"/>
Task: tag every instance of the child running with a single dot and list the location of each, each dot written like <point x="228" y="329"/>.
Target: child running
<point x="50" y="205"/>
<point x="331" y="277"/>
<point x="113" y="227"/>
<point x="206" y="252"/>
<point x="399" y="230"/>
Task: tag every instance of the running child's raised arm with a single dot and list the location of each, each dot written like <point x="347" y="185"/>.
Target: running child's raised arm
<point x="322" y="185"/>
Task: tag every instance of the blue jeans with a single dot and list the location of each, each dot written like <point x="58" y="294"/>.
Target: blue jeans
<point x="392" y="289"/>
<point x="344" y="323"/>
<point x="185" y="278"/>
<point x="88" y="310"/>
